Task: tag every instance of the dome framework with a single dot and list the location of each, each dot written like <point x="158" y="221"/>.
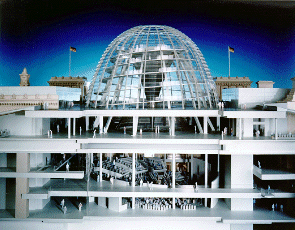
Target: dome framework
<point x="152" y="67"/>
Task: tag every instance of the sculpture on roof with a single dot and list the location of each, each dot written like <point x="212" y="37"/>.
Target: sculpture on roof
<point x="24" y="78"/>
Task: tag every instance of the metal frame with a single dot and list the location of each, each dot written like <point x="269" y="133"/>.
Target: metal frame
<point x="168" y="72"/>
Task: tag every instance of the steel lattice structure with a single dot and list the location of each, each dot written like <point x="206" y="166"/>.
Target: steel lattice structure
<point x="152" y="67"/>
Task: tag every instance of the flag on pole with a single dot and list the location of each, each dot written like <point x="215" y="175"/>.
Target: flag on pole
<point x="73" y="49"/>
<point x="230" y="49"/>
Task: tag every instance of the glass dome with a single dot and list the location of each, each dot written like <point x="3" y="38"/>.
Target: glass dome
<point x="152" y="67"/>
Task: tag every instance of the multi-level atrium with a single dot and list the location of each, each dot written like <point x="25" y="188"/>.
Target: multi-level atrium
<point x="150" y="67"/>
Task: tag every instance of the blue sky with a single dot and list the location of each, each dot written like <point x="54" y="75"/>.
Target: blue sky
<point x="37" y="35"/>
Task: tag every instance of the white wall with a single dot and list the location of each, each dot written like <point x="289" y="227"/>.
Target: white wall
<point x="247" y="127"/>
<point x="291" y="122"/>
<point x="242" y="171"/>
<point x="39" y="159"/>
<point x="257" y="96"/>
<point x="36" y="204"/>
<point x="282" y="125"/>
<point x="241" y="204"/>
<point x="21" y="125"/>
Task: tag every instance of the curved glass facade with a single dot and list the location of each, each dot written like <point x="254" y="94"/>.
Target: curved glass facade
<point x="150" y="67"/>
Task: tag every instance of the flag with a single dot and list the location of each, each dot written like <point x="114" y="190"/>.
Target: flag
<point x="230" y="49"/>
<point x="73" y="49"/>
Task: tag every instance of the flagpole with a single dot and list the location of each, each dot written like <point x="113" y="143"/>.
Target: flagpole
<point x="70" y="62"/>
<point x="228" y="61"/>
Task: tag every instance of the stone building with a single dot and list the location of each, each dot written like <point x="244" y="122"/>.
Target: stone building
<point x="231" y="82"/>
<point x="71" y="82"/>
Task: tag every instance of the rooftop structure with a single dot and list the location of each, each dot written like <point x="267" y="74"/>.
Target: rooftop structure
<point x="152" y="67"/>
<point x="231" y="82"/>
<point x="71" y="82"/>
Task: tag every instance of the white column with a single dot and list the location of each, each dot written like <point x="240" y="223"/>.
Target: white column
<point x="135" y="122"/>
<point x="206" y="175"/>
<point x="87" y="123"/>
<point x="22" y="186"/>
<point x="91" y="158"/>
<point x="74" y="126"/>
<point x="173" y="170"/>
<point x="218" y="162"/>
<point x="173" y="203"/>
<point x="69" y="127"/>
<point x="133" y="202"/>
<point x="100" y="124"/>
<point x="206" y="170"/>
<point x="276" y="128"/>
<point x="218" y="123"/>
<point x="240" y="129"/>
<point x="133" y="169"/>
<point x="192" y="166"/>
<point x="172" y="126"/>
<point x="100" y="167"/>
<point x="241" y="177"/>
<point x="205" y="125"/>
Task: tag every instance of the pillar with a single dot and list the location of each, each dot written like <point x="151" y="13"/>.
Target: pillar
<point x="22" y="186"/>
<point x="87" y="123"/>
<point x="135" y="123"/>
<point x="74" y="126"/>
<point x="100" y="167"/>
<point x="241" y="178"/>
<point x="133" y="202"/>
<point x="69" y="127"/>
<point x="206" y="175"/>
<point x="133" y="169"/>
<point x="192" y="166"/>
<point x="173" y="170"/>
<point x="240" y="129"/>
<point x="100" y="124"/>
<point x="218" y="123"/>
<point x="205" y="125"/>
<point x="276" y="128"/>
<point x="172" y="126"/>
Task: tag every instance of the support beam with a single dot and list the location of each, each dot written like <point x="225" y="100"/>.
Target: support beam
<point x="172" y="127"/>
<point x="192" y="166"/>
<point x="218" y="163"/>
<point x="173" y="170"/>
<point x="74" y="126"/>
<point x="218" y="123"/>
<point x="240" y="129"/>
<point x="100" y="167"/>
<point x="133" y="202"/>
<point x="206" y="175"/>
<point x="69" y="127"/>
<point x="100" y="124"/>
<point x="199" y="124"/>
<point x="108" y="124"/>
<point x="135" y="124"/>
<point x="205" y="123"/>
<point x="133" y="169"/>
<point x="210" y="124"/>
<point x="87" y="123"/>
<point x="206" y="170"/>
<point x="276" y="128"/>
<point x="22" y="186"/>
<point x="173" y="202"/>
